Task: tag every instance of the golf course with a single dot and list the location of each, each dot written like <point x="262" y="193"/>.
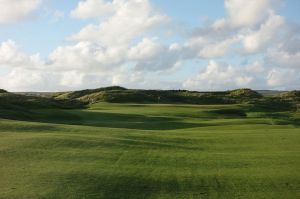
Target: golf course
<point x="150" y="99"/>
<point x="149" y="150"/>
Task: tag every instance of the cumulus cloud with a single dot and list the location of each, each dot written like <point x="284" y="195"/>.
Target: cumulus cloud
<point x="117" y="39"/>
<point x="86" y="56"/>
<point x="124" y="47"/>
<point x="283" y="79"/>
<point x="219" y="76"/>
<point x="268" y="32"/>
<point x="93" y="9"/>
<point x="12" y="11"/>
<point x="207" y="46"/>
<point x="242" y="13"/>
<point x="256" y="67"/>
<point x="284" y="59"/>
<point x="12" y="56"/>
<point x="150" y="54"/>
<point x="83" y="65"/>
<point x="147" y="55"/>
<point x="72" y="79"/>
<point x="23" y="79"/>
<point x="249" y="27"/>
<point x="129" y="20"/>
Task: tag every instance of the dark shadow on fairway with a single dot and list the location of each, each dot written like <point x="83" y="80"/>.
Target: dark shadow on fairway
<point x="27" y="128"/>
<point x="110" y="120"/>
<point x="283" y="119"/>
<point x="116" y="186"/>
<point x="140" y="185"/>
<point x="121" y="143"/>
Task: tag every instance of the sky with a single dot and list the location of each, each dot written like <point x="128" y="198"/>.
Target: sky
<point x="54" y="45"/>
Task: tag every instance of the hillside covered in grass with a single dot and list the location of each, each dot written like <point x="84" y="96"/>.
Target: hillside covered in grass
<point x="16" y="106"/>
<point x="117" y="94"/>
<point x="122" y="95"/>
<point x="27" y="106"/>
<point x="283" y="101"/>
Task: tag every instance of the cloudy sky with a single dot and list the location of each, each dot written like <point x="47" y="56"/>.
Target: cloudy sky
<point x="54" y="45"/>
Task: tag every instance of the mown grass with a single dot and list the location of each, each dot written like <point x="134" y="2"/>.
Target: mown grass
<point x="150" y="151"/>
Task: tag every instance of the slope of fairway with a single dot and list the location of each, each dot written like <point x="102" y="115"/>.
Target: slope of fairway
<point x="151" y="151"/>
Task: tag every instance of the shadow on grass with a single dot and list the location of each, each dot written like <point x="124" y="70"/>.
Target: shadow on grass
<point x="138" y="185"/>
<point x="283" y="119"/>
<point x="116" y="143"/>
<point x="143" y="122"/>
<point x="113" y="186"/>
<point x="104" y="119"/>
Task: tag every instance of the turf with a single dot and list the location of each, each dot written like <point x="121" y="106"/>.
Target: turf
<point x="150" y="151"/>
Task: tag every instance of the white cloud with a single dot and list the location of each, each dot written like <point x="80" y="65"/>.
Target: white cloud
<point x="219" y="76"/>
<point x="72" y="79"/>
<point x="148" y="55"/>
<point x="12" y="56"/>
<point x="243" y="13"/>
<point x="93" y="9"/>
<point x="12" y="11"/>
<point x="283" y="58"/>
<point x="151" y="55"/>
<point x="130" y="19"/>
<point x="128" y="79"/>
<point x="147" y="48"/>
<point x="268" y="32"/>
<point x="83" y="65"/>
<point x="123" y="47"/>
<point x="249" y="27"/>
<point x="86" y="56"/>
<point x="207" y="46"/>
<point x="22" y="79"/>
<point x="256" y="67"/>
<point x="285" y="79"/>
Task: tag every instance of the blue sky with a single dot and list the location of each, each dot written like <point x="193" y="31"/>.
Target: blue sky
<point x="176" y="45"/>
<point x="30" y="34"/>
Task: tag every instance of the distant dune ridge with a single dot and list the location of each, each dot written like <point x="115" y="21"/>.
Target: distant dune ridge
<point x="121" y="94"/>
<point x="14" y="105"/>
<point x="117" y="94"/>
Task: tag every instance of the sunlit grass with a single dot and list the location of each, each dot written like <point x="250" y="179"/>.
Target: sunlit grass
<point x="150" y="151"/>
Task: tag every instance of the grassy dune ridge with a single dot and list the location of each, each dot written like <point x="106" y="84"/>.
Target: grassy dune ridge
<point x="130" y="150"/>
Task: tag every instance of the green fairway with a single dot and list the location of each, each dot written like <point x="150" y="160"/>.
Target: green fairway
<point x="151" y="151"/>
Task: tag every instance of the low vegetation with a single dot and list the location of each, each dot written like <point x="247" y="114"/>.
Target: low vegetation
<point x="122" y="95"/>
<point x="293" y="96"/>
<point x="3" y="91"/>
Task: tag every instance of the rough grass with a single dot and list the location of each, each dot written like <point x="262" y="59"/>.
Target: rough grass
<point x="150" y="151"/>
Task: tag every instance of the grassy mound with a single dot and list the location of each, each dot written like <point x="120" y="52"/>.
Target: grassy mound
<point x="118" y="94"/>
<point x="245" y="93"/>
<point x="122" y="95"/>
<point x="82" y="93"/>
<point x="3" y="91"/>
<point x="272" y="104"/>
<point x="9" y="100"/>
<point x="291" y="96"/>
